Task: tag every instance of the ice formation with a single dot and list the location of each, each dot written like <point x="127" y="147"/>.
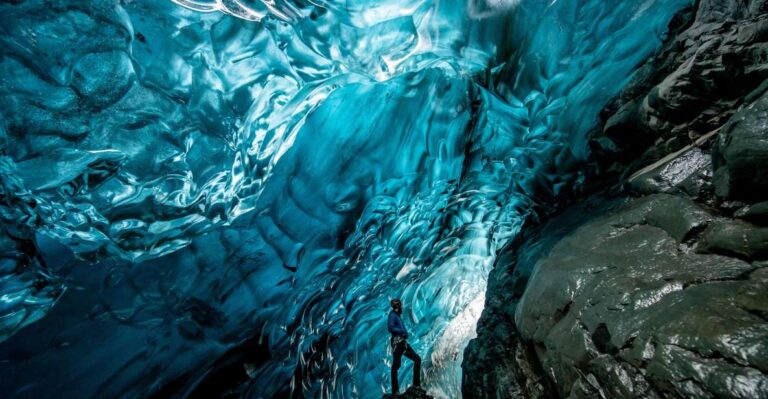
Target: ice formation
<point x="179" y="178"/>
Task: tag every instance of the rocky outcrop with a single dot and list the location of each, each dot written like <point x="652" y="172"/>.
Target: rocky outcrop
<point x="498" y="364"/>
<point x="714" y="58"/>
<point x="627" y="305"/>
<point x="650" y="296"/>
<point x="655" y="286"/>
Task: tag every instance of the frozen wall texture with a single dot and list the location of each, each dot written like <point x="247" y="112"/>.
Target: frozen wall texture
<point x="213" y="196"/>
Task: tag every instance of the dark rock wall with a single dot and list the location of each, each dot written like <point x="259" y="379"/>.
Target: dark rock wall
<point x="740" y="154"/>
<point x="634" y="304"/>
<point x="654" y="287"/>
<point x="716" y="54"/>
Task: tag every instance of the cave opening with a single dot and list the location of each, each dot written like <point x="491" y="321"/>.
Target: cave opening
<point x="220" y="197"/>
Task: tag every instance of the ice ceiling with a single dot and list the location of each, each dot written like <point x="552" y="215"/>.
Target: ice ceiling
<point x="190" y="184"/>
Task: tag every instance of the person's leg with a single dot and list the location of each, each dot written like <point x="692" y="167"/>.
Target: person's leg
<point x="397" y="354"/>
<point x="411" y="354"/>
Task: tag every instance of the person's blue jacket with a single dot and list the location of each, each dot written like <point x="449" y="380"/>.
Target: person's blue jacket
<point x="396" y="326"/>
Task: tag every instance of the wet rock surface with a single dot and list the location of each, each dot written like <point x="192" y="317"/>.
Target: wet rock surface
<point x="742" y="153"/>
<point x="499" y="364"/>
<point x="712" y="62"/>
<point x="656" y="296"/>
<point x="620" y="308"/>
<point x="756" y="213"/>
<point x="653" y="285"/>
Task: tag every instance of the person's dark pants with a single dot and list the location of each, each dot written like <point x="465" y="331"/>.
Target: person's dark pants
<point x="399" y="349"/>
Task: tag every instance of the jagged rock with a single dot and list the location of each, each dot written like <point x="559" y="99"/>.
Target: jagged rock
<point x="713" y="59"/>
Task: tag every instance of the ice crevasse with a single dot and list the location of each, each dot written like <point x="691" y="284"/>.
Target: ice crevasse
<point x="191" y="187"/>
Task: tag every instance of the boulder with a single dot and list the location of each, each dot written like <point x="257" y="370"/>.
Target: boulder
<point x="735" y="238"/>
<point x="688" y="173"/>
<point x="743" y="154"/>
<point x="755" y="213"/>
<point x="616" y="309"/>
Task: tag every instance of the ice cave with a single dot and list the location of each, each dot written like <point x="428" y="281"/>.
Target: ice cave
<point x="220" y="198"/>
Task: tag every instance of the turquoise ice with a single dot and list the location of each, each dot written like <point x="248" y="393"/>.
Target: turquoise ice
<point x="198" y="174"/>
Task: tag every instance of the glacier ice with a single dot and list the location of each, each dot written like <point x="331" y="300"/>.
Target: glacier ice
<point x="184" y="179"/>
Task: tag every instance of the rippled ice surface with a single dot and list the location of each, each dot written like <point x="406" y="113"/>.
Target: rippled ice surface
<point x="200" y="182"/>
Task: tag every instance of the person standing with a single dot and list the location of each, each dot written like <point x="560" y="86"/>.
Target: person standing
<point x="400" y="346"/>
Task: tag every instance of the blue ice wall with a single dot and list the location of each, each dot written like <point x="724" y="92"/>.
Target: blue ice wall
<point x="181" y="179"/>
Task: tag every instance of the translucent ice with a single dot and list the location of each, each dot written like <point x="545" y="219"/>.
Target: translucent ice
<point x="192" y="178"/>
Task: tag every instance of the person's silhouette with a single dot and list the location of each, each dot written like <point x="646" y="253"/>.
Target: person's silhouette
<point x="400" y="346"/>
